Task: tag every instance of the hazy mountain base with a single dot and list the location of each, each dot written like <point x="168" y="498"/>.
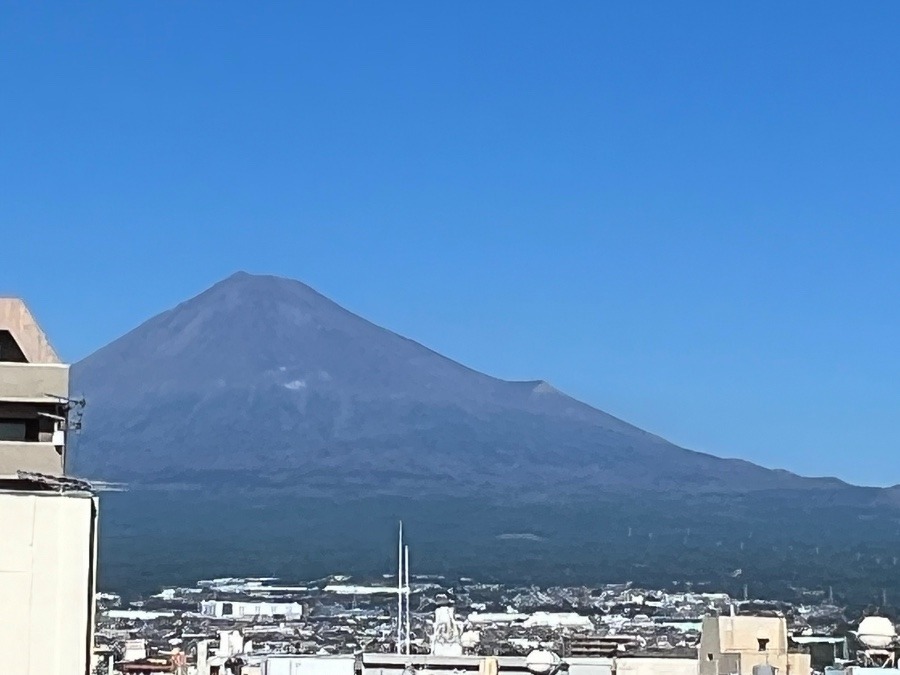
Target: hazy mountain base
<point x="158" y="536"/>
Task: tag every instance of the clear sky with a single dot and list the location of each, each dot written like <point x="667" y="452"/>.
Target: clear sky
<point x="685" y="214"/>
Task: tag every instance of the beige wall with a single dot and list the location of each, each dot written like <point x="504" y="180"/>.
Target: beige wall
<point x="640" y="665"/>
<point x="47" y="582"/>
<point x="33" y="380"/>
<point x="741" y="633"/>
<point x="33" y="457"/>
<point x="799" y="664"/>
<point x="730" y="644"/>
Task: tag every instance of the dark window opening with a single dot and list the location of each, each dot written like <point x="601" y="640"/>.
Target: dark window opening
<point x="763" y="643"/>
<point x="9" y="348"/>
<point x="227" y="609"/>
<point x="20" y="430"/>
<point x="709" y="657"/>
<point x="29" y="423"/>
<point x="13" y="430"/>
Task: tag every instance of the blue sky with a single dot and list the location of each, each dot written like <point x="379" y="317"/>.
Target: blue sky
<point x="683" y="213"/>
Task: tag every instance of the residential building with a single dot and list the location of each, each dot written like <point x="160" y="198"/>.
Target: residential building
<point x="49" y="544"/>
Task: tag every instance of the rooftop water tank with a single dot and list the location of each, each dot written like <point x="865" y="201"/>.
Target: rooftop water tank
<point x="876" y="632"/>
<point x="541" y="661"/>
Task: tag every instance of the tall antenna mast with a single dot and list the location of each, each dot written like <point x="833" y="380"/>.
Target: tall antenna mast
<point x="400" y="591"/>
<point x="406" y="590"/>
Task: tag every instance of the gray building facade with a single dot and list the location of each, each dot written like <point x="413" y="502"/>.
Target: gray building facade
<point x="34" y="391"/>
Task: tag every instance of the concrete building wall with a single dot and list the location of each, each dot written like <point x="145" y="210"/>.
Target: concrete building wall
<point x="47" y="582"/>
<point x="742" y="633"/>
<point x="309" y="665"/>
<point x="799" y="664"/>
<point x="641" y="665"/>
<point x="15" y="317"/>
<point x="709" y="649"/>
<point x="35" y="457"/>
<point x="33" y="393"/>
<point x="590" y="665"/>
<point x="33" y="381"/>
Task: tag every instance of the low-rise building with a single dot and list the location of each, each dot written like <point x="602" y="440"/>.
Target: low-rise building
<point x="734" y="645"/>
<point x="236" y="609"/>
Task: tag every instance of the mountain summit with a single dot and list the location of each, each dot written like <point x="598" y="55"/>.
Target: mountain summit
<point x="264" y="376"/>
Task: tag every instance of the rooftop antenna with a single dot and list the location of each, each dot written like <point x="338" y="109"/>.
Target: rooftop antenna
<point x="406" y="590"/>
<point x="403" y="592"/>
<point x="400" y="591"/>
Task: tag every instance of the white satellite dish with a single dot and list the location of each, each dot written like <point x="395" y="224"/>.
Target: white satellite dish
<point x="876" y="632"/>
<point x="541" y="661"/>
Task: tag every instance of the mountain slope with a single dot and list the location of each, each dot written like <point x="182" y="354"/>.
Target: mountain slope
<point x="264" y="430"/>
<point x="266" y="378"/>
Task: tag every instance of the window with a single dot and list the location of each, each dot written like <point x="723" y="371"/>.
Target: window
<point x="227" y="609"/>
<point x="18" y="429"/>
<point x="13" y="430"/>
<point x="763" y="643"/>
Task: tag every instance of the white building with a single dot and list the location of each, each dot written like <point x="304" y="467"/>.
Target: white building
<point x="559" y="620"/>
<point x="48" y="548"/>
<point x="138" y="614"/>
<point x="47" y="580"/>
<point x="480" y="618"/>
<point x="314" y="665"/>
<point x="347" y="589"/>
<point x="236" y="610"/>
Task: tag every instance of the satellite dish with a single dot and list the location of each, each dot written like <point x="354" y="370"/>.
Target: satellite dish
<point x="541" y="661"/>
<point x="876" y="632"/>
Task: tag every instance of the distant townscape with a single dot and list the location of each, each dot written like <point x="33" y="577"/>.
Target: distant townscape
<point x="340" y="625"/>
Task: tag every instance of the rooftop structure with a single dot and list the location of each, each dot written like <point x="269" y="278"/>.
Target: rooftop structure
<point x="34" y="396"/>
<point x="748" y="645"/>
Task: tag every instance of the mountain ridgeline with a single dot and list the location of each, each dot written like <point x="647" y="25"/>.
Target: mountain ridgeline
<point x="262" y="375"/>
<point x="263" y="399"/>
